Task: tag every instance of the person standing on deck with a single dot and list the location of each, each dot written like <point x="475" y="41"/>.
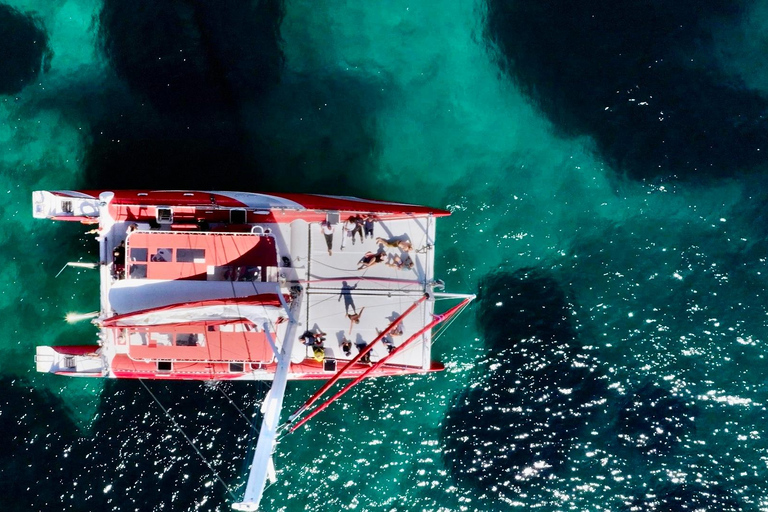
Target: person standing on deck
<point x="368" y="225"/>
<point x="327" y="229"/>
<point x="358" y="228"/>
<point x="349" y="231"/>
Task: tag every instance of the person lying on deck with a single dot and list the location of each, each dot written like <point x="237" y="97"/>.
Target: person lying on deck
<point x="370" y="259"/>
<point x="403" y="245"/>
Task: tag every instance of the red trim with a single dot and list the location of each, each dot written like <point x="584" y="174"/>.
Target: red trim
<point x="307" y="370"/>
<point x="173" y="198"/>
<point x="75" y="350"/>
<point x="316" y="202"/>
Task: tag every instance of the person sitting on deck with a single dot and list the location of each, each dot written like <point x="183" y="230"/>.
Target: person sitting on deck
<point x="366" y="359"/>
<point x="318" y="354"/>
<point x="387" y="341"/>
<point x="312" y="339"/>
<point x="401" y="263"/>
<point x="370" y="259"/>
<point x="346" y="347"/>
<point x="118" y="259"/>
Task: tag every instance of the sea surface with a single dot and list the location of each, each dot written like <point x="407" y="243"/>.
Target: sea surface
<point x="605" y="163"/>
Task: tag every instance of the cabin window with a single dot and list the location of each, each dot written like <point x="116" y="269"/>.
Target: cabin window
<point x="236" y="367"/>
<point x="163" y="255"/>
<point x="137" y="338"/>
<point x="138" y="254"/>
<point x="164" y="366"/>
<point x="160" y="338"/>
<point x="329" y="365"/>
<point x="237" y="216"/>
<point x="193" y="339"/>
<point x="137" y="271"/>
<point x="190" y="256"/>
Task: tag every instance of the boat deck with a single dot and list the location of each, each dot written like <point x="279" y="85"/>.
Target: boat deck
<point x="333" y="282"/>
<point x="380" y="293"/>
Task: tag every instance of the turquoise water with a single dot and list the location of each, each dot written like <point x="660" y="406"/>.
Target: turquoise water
<point x="605" y="169"/>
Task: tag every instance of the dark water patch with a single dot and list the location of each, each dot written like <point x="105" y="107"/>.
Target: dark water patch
<point x="683" y="497"/>
<point x="133" y="457"/>
<point x="38" y="435"/>
<point x="24" y="46"/>
<point x="522" y="305"/>
<point x="145" y="151"/>
<point x="195" y="56"/>
<point x="320" y="131"/>
<point x="653" y="420"/>
<point x="139" y="460"/>
<point x="515" y="425"/>
<point x="640" y="77"/>
<point x="317" y="133"/>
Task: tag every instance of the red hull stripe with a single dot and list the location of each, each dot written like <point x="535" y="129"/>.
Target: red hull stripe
<point x="228" y="200"/>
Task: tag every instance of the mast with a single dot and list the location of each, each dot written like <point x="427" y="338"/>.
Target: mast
<point x="273" y="403"/>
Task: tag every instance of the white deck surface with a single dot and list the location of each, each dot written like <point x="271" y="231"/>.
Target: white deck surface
<point x="335" y="287"/>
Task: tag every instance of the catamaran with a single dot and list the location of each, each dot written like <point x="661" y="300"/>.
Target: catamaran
<point x="198" y="285"/>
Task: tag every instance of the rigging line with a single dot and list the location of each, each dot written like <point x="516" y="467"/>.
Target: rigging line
<point x="178" y="427"/>
<point x="235" y="406"/>
<point x="444" y="327"/>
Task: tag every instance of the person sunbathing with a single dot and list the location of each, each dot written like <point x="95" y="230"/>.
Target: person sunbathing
<point x="403" y="245"/>
<point x="401" y="263"/>
<point x="370" y="259"/>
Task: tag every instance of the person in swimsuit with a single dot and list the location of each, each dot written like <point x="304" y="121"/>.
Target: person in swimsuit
<point x="369" y="259"/>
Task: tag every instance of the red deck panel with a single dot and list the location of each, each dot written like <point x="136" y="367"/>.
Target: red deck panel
<point x="249" y="346"/>
<point x="221" y="250"/>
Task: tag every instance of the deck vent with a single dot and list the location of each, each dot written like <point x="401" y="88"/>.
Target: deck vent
<point x="237" y="216"/>
<point x="164" y="366"/>
<point x="236" y="367"/>
<point x="66" y="207"/>
<point x="332" y="218"/>
<point x="164" y="215"/>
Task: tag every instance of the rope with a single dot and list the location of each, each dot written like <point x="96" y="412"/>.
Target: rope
<point x="221" y="388"/>
<point x="178" y="427"/>
<point x="444" y="327"/>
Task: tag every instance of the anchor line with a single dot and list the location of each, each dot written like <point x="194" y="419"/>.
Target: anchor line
<point x="178" y="427"/>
